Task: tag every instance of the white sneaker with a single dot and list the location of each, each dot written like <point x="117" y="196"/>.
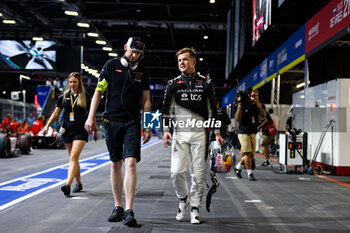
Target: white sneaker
<point x="181" y="212"/>
<point x="195" y="216"/>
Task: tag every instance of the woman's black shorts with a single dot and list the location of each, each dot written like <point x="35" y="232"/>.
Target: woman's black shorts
<point x="75" y="134"/>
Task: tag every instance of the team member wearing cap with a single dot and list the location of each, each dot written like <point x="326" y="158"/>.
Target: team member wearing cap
<point x="121" y="80"/>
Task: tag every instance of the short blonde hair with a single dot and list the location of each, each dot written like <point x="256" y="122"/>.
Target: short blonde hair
<point x="191" y="51"/>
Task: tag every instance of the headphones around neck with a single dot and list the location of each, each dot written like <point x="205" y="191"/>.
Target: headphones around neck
<point x="128" y="64"/>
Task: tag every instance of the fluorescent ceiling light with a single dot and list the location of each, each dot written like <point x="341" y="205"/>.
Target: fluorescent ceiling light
<point x="25" y="77"/>
<point x="83" y="25"/>
<point x="205" y="37"/>
<point x="301" y="84"/>
<point x="107" y="48"/>
<point x="198" y="73"/>
<point x="1" y="14"/>
<point x="102" y="42"/>
<point x="37" y="38"/>
<point x="201" y="59"/>
<point x="211" y="1"/>
<point x="71" y="13"/>
<point x="9" y="21"/>
<point x="113" y="54"/>
<point x="92" y="34"/>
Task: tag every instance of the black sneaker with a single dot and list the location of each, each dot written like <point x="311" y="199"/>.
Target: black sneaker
<point x="266" y="163"/>
<point x="238" y="172"/>
<point x="251" y="177"/>
<point x="66" y="190"/>
<point x="117" y="214"/>
<point x="253" y="164"/>
<point x="78" y="187"/>
<point x="129" y="219"/>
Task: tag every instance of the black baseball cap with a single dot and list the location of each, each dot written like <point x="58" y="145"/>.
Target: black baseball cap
<point x="135" y="43"/>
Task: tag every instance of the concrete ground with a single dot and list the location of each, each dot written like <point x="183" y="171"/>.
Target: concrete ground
<point x="273" y="203"/>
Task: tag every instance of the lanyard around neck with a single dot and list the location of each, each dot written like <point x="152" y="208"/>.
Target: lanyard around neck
<point x="73" y="103"/>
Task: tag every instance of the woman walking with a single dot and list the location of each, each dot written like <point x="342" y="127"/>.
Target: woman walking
<point x="76" y="104"/>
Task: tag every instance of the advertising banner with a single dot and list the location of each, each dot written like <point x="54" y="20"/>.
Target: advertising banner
<point x="333" y="18"/>
<point x="42" y="92"/>
<point x="262" y="73"/>
<point x="157" y="87"/>
<point x="292" y="51"/>
<point x="228" y="98"/>
<point x="243" y="84"/>
<point x="271" y="66"/>
<point x="254" y="76"/>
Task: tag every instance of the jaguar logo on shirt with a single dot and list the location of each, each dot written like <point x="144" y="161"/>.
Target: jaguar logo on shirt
<point x="189" y="90"/>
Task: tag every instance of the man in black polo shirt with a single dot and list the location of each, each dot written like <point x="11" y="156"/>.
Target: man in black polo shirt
<point x="125" y="81"/>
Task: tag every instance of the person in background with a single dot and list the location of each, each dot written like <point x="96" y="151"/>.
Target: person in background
<point x="18" y="118"/>
<point x="49" y="83"/>
<point x="6" y="123"/>
<point x="269" y="131"/>
<point x="247" y="115"/>
<point x="56" y="83"/>
<point x="75" y="102"/>
<point x="30" y="120"/>
<point x="14" y="128"/>
<point x="273" y="116"/>
<point x="65" y="83"/>
<point x="24" y="128"/>
<point x="37" y="125"/>
<point x="56" y="125"/>
<point x="222" y="116"/>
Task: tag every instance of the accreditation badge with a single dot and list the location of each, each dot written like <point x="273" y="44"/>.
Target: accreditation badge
<point x="71" y="116"/>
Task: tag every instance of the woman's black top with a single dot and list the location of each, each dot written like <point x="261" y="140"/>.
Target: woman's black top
<point x="80" y="114"/>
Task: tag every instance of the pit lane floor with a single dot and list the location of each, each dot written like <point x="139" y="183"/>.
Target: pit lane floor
<point x="274" y="203"/>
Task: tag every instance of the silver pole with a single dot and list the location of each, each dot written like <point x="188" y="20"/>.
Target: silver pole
<point x="24" y="105"/>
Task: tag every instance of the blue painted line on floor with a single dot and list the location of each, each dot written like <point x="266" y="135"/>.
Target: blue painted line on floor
<point x="20" y="189"/>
